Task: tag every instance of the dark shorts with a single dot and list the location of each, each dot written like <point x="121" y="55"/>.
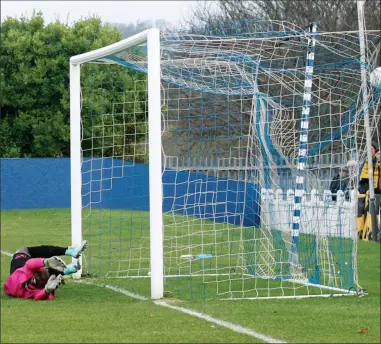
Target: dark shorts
<point x="18" y="261"/>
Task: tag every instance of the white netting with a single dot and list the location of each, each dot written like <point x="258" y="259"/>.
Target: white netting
<point x="232" y="108"/>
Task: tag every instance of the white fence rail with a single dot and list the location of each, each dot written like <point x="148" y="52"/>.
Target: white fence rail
<point x="202" y="162"/>
<point x="319" y="214"/>
<point x="321" y="168"/>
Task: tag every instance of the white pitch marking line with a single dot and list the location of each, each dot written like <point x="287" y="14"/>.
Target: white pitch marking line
<point x="116" y="289"/>
<point x="206" y="317"/>
<point x="222" y="323"/>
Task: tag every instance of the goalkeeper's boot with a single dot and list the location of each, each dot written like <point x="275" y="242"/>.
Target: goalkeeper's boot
<point x="75" y="251"/>
<point x="72" y="268"/>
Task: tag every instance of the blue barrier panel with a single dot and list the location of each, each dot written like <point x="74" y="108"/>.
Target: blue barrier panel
<point x="35" y="183"/>
<point x="117" y="184"/>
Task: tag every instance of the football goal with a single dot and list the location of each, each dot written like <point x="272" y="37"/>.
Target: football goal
<point x="201" y="163"/>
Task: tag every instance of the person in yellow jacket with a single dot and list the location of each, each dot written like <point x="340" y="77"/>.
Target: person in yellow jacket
<point x="377" y="173"/>
<point x="377" y="191"/>
<point x="363" y="220"/>
<point x="364" y="178"/>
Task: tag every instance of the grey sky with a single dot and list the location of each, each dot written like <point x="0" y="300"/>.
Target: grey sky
<point x="111" y="11"/>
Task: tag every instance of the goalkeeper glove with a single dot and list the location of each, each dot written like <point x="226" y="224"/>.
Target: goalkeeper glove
<point x="53" y="283"/>
<point x="55" y="263"/>
<point x="72" y="268"/>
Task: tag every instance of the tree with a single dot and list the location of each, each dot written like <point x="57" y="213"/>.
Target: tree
<point x="132" y="29"/>
<point x="332" y="15"/>
<point x="229" y="16"/>
<point x="34" y="71"/>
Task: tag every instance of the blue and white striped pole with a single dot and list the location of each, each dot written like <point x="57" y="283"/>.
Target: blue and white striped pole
<point x="303" y="142"/>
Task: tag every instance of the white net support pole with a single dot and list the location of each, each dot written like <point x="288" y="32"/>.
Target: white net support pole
<point x="75" y="159"/>
<point x="155" y="171"/>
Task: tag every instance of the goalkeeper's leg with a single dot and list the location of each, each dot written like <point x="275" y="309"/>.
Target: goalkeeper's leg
<point x="47" y="251"/>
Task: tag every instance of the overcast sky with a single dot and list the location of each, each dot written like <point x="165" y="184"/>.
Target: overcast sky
<point x="111" y="11"/>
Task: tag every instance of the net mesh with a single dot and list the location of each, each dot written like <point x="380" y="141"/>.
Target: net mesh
<point x="232" y="120"/>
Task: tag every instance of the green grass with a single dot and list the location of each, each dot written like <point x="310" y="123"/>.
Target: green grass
<point x="120" y="247"/>
<point x="85" y="313"/>
<point x="90" y="314"/>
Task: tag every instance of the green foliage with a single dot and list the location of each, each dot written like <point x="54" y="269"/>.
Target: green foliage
<point x="34" y="69"/>
<point x="114" y="115"/>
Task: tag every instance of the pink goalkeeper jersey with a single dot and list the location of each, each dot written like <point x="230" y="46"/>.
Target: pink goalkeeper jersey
<point x="17" y="283"/>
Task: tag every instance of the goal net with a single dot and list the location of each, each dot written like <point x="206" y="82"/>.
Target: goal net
<point x="254" y="122"/>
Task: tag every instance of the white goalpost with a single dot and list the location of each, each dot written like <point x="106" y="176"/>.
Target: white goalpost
<point x="201" y="163"/>
<point x="152" y="37"/>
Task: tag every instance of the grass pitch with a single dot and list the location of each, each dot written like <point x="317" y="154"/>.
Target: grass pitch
<point x="89" y="314"/>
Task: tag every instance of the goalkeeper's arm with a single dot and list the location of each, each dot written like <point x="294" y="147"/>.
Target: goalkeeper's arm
<point x="54" y="282"/>
<point x="48" y="292"/>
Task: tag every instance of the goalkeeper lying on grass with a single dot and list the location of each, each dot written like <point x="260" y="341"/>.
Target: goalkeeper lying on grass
<point x="36" y="272"/>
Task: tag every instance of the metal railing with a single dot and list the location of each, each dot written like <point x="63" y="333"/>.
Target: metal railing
<point x="319" y="171"/>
